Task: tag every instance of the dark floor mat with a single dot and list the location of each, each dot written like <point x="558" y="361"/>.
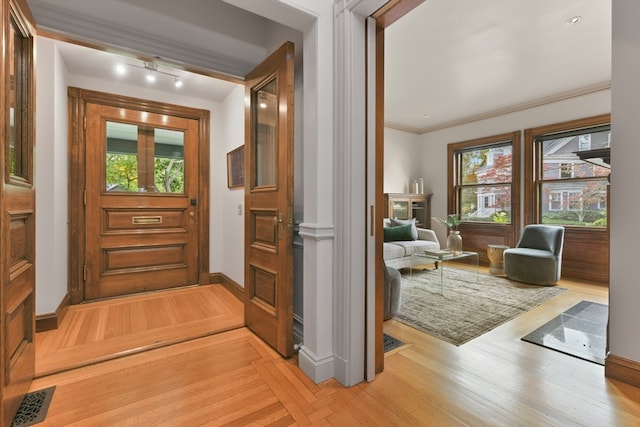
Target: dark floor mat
<point x="33" y="408"/>
<point x="580" y="331"/>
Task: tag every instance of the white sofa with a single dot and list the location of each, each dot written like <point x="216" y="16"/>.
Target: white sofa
<point x="397" y="254"/>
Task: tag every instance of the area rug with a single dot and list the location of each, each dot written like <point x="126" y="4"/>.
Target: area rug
<point x="580" y="331"/>
<point x="470" y="304"/>
<point x="391" y="343"/>
<point x="34" y="407"/>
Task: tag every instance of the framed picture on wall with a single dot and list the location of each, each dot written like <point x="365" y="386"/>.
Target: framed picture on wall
<point x="235" y="167"/>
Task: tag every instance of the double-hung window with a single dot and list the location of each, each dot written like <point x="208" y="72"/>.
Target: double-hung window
<point x="483" y="179"/>
<point x="571" y="191"/>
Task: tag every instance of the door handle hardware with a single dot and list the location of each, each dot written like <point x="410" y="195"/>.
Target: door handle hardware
<point x="146" y="220"/>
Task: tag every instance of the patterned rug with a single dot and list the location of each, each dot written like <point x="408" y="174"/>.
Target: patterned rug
<point x="469" y="305"/>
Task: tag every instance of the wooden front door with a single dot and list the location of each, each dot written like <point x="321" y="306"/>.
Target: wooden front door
<point x="17" y="209"/>
<point x="269" y="200"/>
<point x="141" y="201"/>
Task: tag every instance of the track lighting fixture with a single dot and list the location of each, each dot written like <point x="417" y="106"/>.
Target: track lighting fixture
<point x="151" y="72"/>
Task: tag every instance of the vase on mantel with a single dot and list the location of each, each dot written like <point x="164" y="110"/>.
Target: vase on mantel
<point x="454" y="242"/>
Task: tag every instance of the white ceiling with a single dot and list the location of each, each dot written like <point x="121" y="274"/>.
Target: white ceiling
<point x="84" y="61"/>
<point x="455" y="60"/>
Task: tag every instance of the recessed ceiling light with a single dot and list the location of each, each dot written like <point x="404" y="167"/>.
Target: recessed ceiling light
<point x="573" y="20"/>
<point x="426" y="116"/>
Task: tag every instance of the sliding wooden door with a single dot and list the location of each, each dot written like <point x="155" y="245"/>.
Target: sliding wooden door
<point x="17" y="208"/>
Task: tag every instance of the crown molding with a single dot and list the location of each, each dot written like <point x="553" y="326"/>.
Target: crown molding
<point x="586" y="90"/>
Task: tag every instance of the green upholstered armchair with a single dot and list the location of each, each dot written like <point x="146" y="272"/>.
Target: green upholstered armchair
<point x="537" y="259"/>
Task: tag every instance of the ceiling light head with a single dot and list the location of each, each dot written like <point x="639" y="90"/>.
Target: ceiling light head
<point x="427" y="116"/>
<point x="573" y="20"/>
<point x="152" y="73"/>
<point x="121" y="70"/>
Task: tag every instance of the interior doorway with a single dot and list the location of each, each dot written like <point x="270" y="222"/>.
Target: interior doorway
<point x="139" y="213"/>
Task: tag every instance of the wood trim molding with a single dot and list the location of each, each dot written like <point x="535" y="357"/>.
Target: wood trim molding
<point x="228" y="283"/>
<point x="394" y="10"/>
<point x="595" y="88"/>
<point x="621" y="369"/>
<point x="51" y="321"/>
<point x="379" y="200"/>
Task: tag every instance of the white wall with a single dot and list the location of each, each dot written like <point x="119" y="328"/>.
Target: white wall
<point x="52" y="174"/>
<point x="51" y="163"/>
<point x="227" y="226"/>
<point x="430" y="159"/>
<point x="624" y="290"/>
<point x="401" y="165"/>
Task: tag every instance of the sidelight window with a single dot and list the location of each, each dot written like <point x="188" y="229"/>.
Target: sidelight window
<point x="19" y="114"/>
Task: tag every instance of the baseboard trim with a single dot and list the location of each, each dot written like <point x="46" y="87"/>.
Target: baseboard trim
<point x="318" y="369"/>
<point x="228" y="283"/>
<point x="621" y="369"/>
<point x="51" y="321"/>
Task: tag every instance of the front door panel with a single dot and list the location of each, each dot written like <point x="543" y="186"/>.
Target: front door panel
<point x="141" y="201"/>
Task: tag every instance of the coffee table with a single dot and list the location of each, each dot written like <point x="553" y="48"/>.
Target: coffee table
<point x="440" y="256"/>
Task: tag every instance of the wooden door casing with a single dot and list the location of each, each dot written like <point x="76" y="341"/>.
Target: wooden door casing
<point x="269" y="201"/>
<point x="17" y="208"/>
<point x="181" y="214"/>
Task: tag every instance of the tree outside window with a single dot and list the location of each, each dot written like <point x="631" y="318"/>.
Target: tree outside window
<point x="140" y="159"/>
<point x="485" y="181"/>
<point x="573" y="192"/>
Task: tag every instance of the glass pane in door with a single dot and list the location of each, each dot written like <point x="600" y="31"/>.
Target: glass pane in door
<point x="400" y="209"/>
<point x="168" y="163"/>
<point x="17" y="96"/>
<point x="122" y="157"/>
<point x="265" y="107"/>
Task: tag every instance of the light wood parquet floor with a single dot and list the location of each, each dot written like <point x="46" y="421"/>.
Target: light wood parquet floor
<point x="107" y="329"/>
<point x="233" y="378"/>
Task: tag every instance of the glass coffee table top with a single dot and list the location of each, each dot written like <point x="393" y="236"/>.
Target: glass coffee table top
<point x="440" y="256"/>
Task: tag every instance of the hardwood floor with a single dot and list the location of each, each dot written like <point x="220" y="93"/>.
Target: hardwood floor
<point x="233" y="378"/>
<point x="118" y="327"/>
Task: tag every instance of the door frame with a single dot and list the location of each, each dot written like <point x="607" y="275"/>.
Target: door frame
<point x="78" y="98"/>
<point x="385" y="16"/>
